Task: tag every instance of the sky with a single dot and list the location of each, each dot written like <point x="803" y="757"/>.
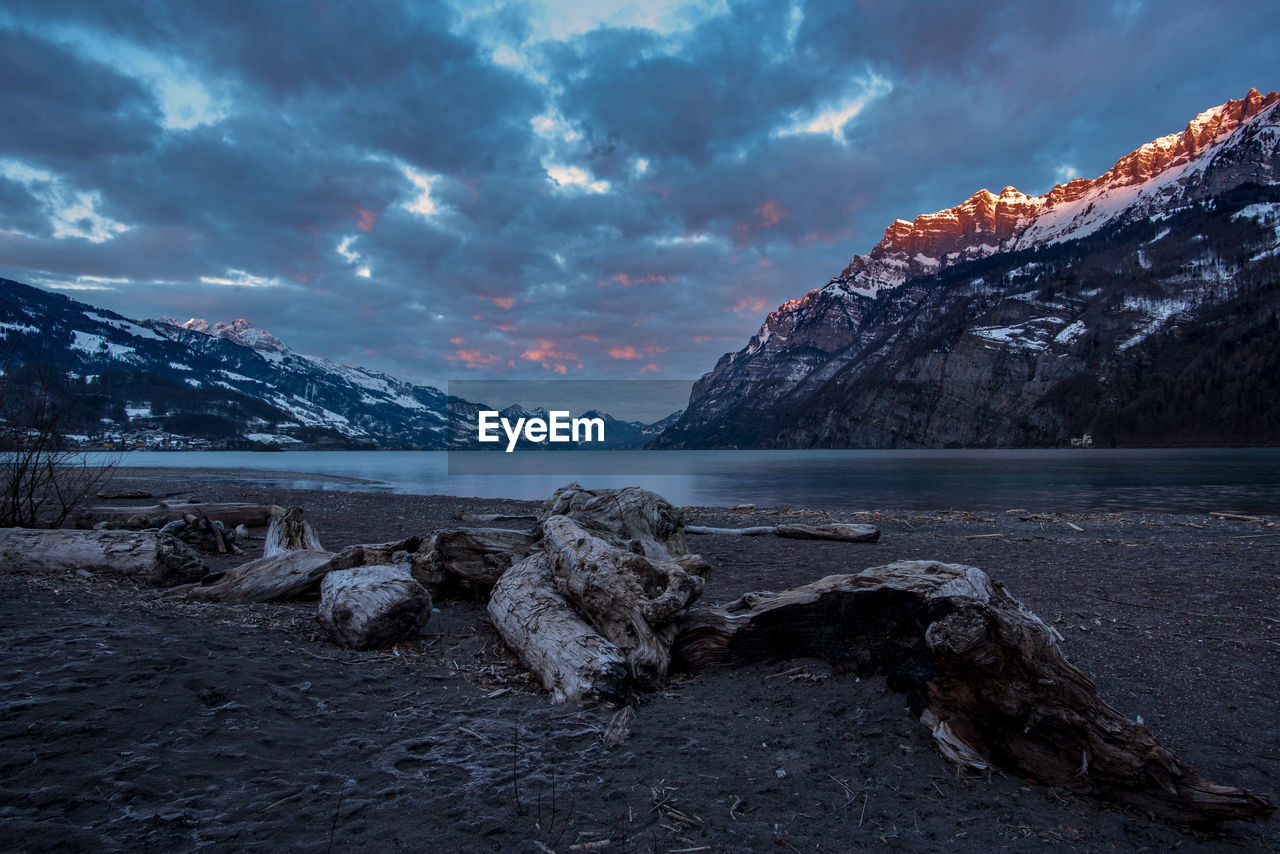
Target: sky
<point x="590" y="190"/>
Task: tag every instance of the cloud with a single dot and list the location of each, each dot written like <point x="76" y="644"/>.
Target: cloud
<point x="573" y="177"/>
<point x="241" y="279"/>
<point x="382" y="183"/>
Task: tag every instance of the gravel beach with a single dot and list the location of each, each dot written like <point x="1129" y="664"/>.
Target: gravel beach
<point x="132" y="721"/>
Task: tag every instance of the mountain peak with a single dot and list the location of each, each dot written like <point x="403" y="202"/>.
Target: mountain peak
<point x="986" y="223"/>
<point x="239" y="330"/>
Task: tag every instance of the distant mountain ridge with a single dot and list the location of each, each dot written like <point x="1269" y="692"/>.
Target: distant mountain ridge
<point x="221" y="382"/>
<point x="171" y="383"/>
<point x="1139" y="306"/>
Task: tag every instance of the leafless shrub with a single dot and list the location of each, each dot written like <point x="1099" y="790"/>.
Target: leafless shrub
<point x="42" y="480"/>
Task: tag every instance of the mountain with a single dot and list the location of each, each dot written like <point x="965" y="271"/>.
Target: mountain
<point x="192" y="384"/>
<point x="1139" y="306"/>
<point x="161" y="382"/>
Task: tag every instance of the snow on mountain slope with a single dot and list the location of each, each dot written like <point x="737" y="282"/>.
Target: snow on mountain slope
<point x="1155" y="176"/>
<point x="979" y="324"/>
<point x="228" y="364"/>
<point x="1232" y="143"/>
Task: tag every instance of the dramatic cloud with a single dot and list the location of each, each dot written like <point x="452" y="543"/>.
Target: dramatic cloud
<point x="557" y="189"/>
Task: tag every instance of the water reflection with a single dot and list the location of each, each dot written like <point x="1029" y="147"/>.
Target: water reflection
<point x="1165" y="480"/>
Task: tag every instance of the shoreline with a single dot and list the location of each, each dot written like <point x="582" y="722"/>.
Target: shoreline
<point x="110" y="679"/>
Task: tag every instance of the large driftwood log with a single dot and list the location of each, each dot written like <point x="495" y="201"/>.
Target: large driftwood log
<point x="631" y="599"/>
<point x="290" y="574"/>
<point x="368" y="607"/>
<point x="478" y="555"/>
<point x="288" y="532"/>
<point x="985" y="674"/>
<point x="634" y="517"/>
<point x="285" y="575"/>
<point x="620" y="575"/>
<point x="567" y="655"/>
<point x="844" y="532"/>
<point x="751" y="531"/>
<point x="231" y="514"/>
<point x="150" y="557"/>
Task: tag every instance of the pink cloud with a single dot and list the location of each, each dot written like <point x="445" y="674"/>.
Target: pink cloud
<point x="549" y="355"/>
<point x="367" y="218"/>
<point x="766" y="215"/>
<point x="750" y="305"/>
<point x="505" y="327"/>
<point x="652" y="278"/>
<point x="473" y="358"/>
<point x="627" y="352"/>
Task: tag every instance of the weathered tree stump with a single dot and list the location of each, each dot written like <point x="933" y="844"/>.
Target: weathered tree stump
<point x="150" y="557"/>
<point x="983" y="672"/>
<point x="568" y="656"/>
<point x="478" y="555"/>
<point x="288" y="532"/>
<point x="369" y="607"/>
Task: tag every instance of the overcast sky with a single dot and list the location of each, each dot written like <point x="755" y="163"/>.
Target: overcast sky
<point x="523" y="190"/>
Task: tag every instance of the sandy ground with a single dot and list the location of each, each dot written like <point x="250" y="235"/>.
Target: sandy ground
<point x="130" y="721"/>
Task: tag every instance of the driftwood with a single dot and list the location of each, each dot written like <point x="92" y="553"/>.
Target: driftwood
<point x="368" y="607"/>
<point x="841" y="531"/>
<point x="752" y="531"/>
<point x="567" y="655"/>
<point x="984" y="674"/>
<point x="268" y="579"/>
<point x="147" y="556"/>
<point x="494" y="517"/>
<point x="207" y="535"/>
<point x="631" y="600"/>
<point x="636" y="517"/>
<point x="478" y="555"/>
<point x="290" y="574"/>
<point x="289" y="532"/>
<point x="608" y="577"/>
<point x="252" y="515"/>
<point x="619" y="728"/>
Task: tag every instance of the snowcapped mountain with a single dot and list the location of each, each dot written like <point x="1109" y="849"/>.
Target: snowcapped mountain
<point x="1139" y="306"/>
<point x="227" y="381"/>
<point x="1166" y="172"/>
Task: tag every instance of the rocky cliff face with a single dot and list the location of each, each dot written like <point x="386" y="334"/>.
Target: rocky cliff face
<point x="1134" y="306"/>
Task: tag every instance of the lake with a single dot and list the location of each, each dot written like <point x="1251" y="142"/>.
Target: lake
<point x="1157" y="480"/>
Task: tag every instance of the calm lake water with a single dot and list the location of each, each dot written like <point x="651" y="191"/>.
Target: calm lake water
<point x="1166" y="480"/>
